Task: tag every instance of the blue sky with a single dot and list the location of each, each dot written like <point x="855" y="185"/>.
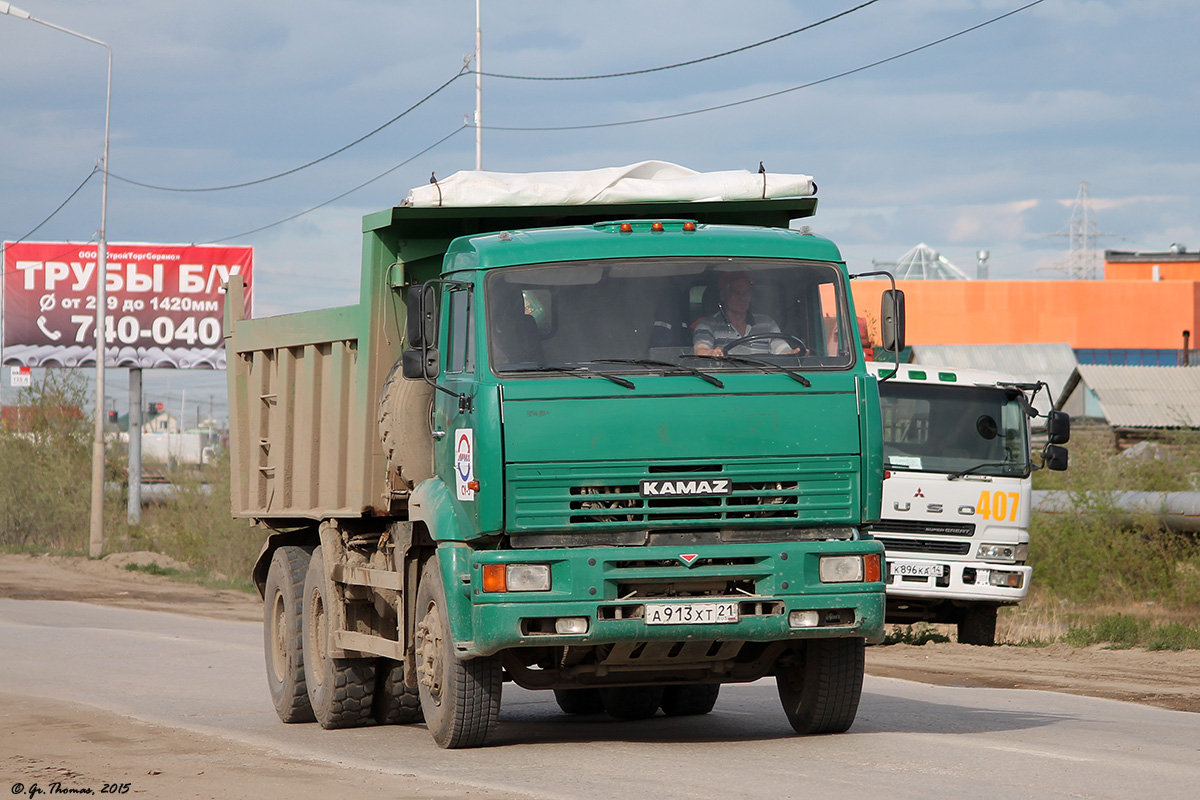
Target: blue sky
<point x="977" y="143"/>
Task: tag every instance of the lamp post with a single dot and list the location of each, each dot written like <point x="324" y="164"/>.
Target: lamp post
<point x="96" y="538"/>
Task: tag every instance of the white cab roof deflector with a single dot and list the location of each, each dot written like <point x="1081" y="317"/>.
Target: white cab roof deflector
<point x="644" y="182"/>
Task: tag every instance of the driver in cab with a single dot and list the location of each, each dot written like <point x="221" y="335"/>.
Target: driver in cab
<point x="713" y="334"/>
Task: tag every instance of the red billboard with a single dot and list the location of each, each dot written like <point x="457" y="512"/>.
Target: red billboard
<point x="165" y="304"/>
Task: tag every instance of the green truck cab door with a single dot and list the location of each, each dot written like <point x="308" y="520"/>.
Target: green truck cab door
<point x="465" y="423"/>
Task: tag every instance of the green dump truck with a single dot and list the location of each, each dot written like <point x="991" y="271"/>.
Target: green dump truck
<point x="515" y="460"/>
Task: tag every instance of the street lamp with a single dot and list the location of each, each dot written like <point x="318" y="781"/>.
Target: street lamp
<point x="96" y="539"/>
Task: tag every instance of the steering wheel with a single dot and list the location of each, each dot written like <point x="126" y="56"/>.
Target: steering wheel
<point x="757" y="337"/>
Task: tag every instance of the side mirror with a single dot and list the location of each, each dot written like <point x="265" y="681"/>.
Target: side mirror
<point x="421" y="323"/>
<point x="1054" y="457"/>
<point x="421" y="364"/>
<point x="892" y="320"/>
<point x="1058" y="427"/>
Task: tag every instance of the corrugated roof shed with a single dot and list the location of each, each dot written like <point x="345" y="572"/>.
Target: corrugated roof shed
<point x="1052" y="363"/>
<point x="1139" y="397"/>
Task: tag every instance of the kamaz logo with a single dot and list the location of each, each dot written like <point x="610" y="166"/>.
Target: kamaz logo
<point x="707" y="488"/>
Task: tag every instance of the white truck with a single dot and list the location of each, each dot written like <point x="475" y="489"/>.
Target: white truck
<point x="956" y="493"/>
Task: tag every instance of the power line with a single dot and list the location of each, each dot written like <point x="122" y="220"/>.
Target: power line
<point x="383" y="174"/>
<point x="314" y="162"/>
<point x="54" y="213"/>
<point x="681" y="63"/>
<point x="770" y="94"/>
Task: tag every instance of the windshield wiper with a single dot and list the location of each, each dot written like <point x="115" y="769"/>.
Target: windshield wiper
<point x="953" y="476"/>
<point x="666" y="365"/>
<point x="796" y="376"/>
<point x="578" y="372"/>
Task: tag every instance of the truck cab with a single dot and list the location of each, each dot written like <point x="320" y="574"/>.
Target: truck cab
<point x="956" y="510"/>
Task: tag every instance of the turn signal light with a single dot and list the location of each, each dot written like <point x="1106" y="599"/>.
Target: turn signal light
<point x="871" y="568"/>
<point x="495" y="578"/>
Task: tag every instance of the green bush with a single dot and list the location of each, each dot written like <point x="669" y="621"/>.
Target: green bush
<point x="1099" y="553"/>
<point x="1173" y="636"/>
<point x="918" y="634"/>
<point x="197" y="527"/>
<point x="45" y="467"/>
<point x="45" y="492"/>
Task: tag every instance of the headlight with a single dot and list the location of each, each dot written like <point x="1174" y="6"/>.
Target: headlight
<point x="841" y="569"/>
<point x="998" y="552"/>
<point x="516" y="577"/>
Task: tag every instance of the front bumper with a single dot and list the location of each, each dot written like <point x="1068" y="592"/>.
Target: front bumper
<point x="959" y="580"/>
<point x="611" y="588"/>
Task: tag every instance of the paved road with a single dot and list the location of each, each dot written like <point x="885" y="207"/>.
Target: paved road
<point x="910" y="739"/>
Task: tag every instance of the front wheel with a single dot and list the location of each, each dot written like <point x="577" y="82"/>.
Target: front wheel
<point x="978" y="626"/>
<point x="459" y="697"/>
<point x="821" y="683"/>
<point x="341" y="690"/>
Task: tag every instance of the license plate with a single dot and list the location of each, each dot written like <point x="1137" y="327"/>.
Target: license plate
<point x="690" y="613"/>
<point x="906" y="568"/>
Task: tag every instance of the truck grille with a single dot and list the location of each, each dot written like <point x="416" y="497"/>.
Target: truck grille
<point x="937" y="528"/>
<point x="819" y="491"/>
<point x="924" y="546"/>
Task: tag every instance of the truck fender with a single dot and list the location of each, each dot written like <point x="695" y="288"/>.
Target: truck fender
<point x="432" y="504"/>
<point x="302" y="537"/>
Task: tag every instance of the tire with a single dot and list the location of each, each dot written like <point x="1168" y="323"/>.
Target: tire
<point x="821" y="688"/>
<point x="404" y="408"/>
<point x="579" y="701"/>
<point x="690" y="699"/>
<point x="632" y="702"/>
<point x="460" y="698"/>
<point x="395" y="703"/>
<point x="978" y="626"/>
<point x="341" y="690"/>
<point x="283" y="598"/>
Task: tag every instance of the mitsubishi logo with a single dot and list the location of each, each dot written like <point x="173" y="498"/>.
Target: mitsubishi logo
<point x="919" y="493"/>
<point x="688" y="558"/>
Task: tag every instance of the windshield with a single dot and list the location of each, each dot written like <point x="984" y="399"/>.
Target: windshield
<point x="940" y="428"/>
<point x="668" y="315"/>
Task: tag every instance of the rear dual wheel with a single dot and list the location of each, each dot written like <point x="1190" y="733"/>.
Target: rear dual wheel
<point x="283" y="599"/>
<point x="341" y="690"/>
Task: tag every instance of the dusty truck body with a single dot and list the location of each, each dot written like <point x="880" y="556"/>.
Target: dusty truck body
<point x="956" y="499"/>
<point x="507" y="463"/>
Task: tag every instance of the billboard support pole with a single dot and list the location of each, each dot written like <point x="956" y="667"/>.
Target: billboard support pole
<point x="135" y="446"/>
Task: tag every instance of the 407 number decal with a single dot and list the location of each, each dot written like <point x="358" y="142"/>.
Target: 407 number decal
<point x="999" y="506"/>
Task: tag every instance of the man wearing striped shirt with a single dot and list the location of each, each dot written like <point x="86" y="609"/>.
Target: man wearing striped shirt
<point x="734" y="320"/>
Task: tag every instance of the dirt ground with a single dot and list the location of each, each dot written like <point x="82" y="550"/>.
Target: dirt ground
<point x="41" y="742"/>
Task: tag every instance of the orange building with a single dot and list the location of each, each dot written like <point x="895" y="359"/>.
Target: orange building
<point x="1146" y="301"/>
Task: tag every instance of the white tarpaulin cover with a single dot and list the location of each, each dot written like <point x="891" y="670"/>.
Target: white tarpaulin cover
<point x="645" y="182"/>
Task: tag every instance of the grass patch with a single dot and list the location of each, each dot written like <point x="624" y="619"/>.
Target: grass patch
<point x="154" y="569"/>
<point x="1122" y="632"/>
<point x="918" y="634"/>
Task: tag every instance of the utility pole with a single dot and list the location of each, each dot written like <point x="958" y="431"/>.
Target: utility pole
<point x="478" y="90"/>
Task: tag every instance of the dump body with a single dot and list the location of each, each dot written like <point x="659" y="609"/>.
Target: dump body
<point x="540" y="472"/>
<point x="957" y="495"/>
